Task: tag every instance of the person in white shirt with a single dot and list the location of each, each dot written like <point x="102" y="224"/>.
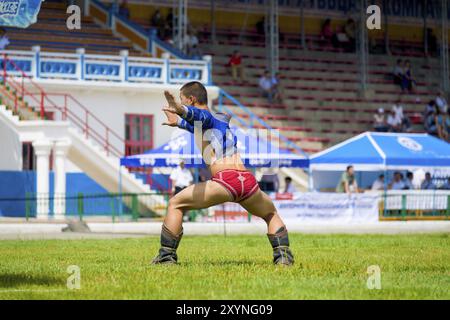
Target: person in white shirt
<point x="379" y="183"/>
<point x="266" y="86"/>
<point x="441" y="102"/>
<point x="379" y="123"/>
<point x="289" y="187"/>
<point x="393" y="122"/>
<point x="397" y="108"/>
<point x="409" y="181"/>
<point x="397" y="183"/>
<point x="181" y="178"/>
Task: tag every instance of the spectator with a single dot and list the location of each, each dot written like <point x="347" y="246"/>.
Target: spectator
<point x="397" y="108"/>
<point x="350" y="31"/>
<point x="156" y="20"/>
<point x="181" y="178"/>
<point x="123" y="9"/>
<point x="432" y="43"/>
<point x="169" y="19"/>
<point x="265" y="85"/>
<point x="4" y="40"/>
<point x="378" y="184"/>
<point x="447" y="124"/>
<point x="191" y="43"/>
<point x="398" y="72"/>
<point x="379" y="123"/>
<point x="430" y="107"/>
<point x="289" y="187"/>
<point x="408" y="81"/>
<point x="327" y="32"/>
<point x="430" y="122"/>
<point x="428" y="184"/>
<point x="440" y="119"/>
<point x="276" y="88"/>
<point x="158" y="23"/>
<point x="269" y="181"/>
<point x="441" y="102"/>
<point x="347" y="183"/>
<point x="235" y="63"/>
<point x="397" y="183"/>
<point x="261" y="26"/>
<point x="394" y="124"/>
<point x="446" y="185"/>
<point x="409" y="185"/>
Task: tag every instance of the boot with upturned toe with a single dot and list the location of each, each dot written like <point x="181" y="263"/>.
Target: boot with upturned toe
<point x="169" y="245"/>
<point x="282" y="254"/>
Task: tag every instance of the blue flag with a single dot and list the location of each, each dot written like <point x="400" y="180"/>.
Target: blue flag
<point x="19" y="13"/>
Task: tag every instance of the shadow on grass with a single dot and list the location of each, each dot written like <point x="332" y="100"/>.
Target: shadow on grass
<point x="225" y="263"/>
<point x="15" y="280"/>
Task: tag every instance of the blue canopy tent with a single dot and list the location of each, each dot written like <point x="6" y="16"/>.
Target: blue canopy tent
<point x="374" y="151"/>
<point x="255" y="151"/>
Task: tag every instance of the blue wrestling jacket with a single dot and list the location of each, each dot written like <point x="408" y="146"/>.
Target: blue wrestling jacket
<point x="223" y="141"/>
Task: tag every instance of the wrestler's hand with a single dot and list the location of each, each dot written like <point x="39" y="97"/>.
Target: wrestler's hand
<point x="172" y="118"/>
<point x="174" y="106"/>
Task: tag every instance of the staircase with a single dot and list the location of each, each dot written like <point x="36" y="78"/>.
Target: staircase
<point x="28" y="109"/>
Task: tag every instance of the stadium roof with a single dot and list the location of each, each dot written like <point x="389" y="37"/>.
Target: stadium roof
<point x="374" y="151"/>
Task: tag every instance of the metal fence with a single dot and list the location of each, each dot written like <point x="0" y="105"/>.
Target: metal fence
<point x="419" y="205"/>
<point x="109" y="206"/>
<point x="125" y="206"/>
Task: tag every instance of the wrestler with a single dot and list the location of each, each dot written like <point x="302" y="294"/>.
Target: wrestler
<point x="231" y="181"/>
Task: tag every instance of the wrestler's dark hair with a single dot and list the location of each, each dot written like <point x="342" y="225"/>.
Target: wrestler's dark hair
<point x="197" y="90"/>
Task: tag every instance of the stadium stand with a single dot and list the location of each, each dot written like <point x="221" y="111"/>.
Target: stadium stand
<point x="51" y="33"/>
<point x="322" y="105"/>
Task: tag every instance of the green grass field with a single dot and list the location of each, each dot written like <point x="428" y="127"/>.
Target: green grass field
<point x="235" y="267"/>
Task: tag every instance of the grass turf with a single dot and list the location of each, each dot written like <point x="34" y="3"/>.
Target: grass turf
<point x="235" y="267"/>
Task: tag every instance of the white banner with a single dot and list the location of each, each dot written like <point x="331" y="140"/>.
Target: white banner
<point x="330" y="207"/>
<point x="339" y="207"/>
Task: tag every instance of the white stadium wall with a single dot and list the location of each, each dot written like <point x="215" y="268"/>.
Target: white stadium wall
<point x="11" y="149"/>
<point x="110" y="102"/>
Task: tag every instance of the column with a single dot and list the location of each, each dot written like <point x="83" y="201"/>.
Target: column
<point x="42" y="150"/>
<point x="59" y="200"/>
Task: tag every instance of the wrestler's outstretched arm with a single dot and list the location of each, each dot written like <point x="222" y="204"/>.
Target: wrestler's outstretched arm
<point x="190" y="114"/>
<point x="173" y="120"/>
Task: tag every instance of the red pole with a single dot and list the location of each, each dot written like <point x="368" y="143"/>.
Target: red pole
<point x="65" y="108"/>
<point x="42" y="105"/>
<point x="87" y="134"/>
<point x="107" y="141"/>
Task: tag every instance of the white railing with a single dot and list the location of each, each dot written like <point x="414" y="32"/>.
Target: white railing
<point x="92" y="67"/>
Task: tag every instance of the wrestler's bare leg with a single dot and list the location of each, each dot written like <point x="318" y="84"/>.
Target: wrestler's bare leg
<point x="197" y="196"/>
<point x="262" y="206"/>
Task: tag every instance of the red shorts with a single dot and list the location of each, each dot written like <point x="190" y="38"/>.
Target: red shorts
<point x="240" y="184"/>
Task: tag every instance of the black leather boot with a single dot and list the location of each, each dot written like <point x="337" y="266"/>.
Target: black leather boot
<point x="282" y="255"/>
<point x="169" y="244"/>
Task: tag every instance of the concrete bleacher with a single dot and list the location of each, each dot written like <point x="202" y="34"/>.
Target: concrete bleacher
<point x="52" y="34"/>
<point x="322" y="105"/>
